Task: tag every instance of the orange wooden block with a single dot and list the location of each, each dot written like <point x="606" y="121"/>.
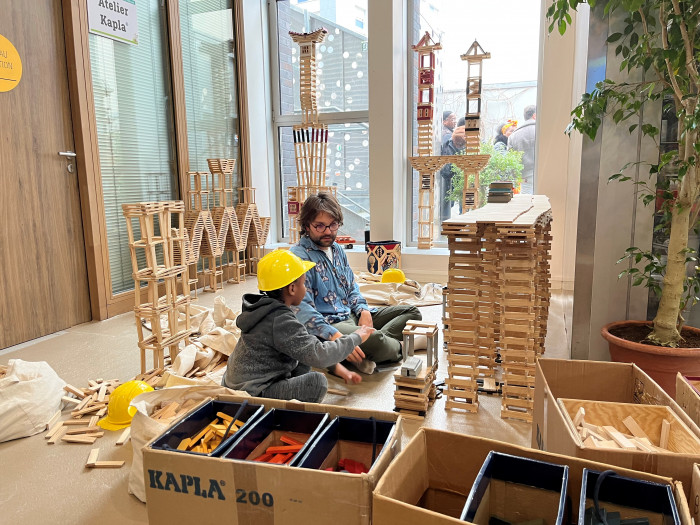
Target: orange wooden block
<point x="285" y="449"/>
<point x="290" y="441"/>
<point x="280" y="458"/>
<point x="264" y="458"/>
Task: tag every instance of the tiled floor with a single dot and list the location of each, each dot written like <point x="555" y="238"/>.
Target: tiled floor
<point x="42" y="483"/>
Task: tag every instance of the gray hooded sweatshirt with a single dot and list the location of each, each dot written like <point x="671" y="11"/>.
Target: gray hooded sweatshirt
<point x="273" y="343"/>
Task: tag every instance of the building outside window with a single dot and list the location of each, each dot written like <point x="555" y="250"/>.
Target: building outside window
<point x="343" y="101"/>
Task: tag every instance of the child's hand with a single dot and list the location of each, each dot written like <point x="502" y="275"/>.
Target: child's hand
<point x="365" y="332"/>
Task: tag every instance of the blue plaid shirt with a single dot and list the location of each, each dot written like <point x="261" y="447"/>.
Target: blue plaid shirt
<point x="331" y="292"/>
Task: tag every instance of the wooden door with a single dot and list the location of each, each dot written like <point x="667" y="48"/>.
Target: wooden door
<point x="43" y="275"/>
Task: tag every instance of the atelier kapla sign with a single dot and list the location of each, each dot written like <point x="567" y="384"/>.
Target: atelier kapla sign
<point x="10" y="65"/>
<point x="115" y="19"/>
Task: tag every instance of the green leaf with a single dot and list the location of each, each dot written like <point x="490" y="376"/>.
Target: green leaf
<point x="562" y="27"/>
<point x="614" y="37"/>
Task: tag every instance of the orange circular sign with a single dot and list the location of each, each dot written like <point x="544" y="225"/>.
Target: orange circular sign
<point x="10" y="65"/>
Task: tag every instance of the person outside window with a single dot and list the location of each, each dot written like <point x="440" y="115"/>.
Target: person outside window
<point x="523" y="139"/>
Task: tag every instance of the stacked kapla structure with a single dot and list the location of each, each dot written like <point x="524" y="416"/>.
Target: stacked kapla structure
<point x="157" y="267"/>
<point x="497" y="302"/>
<point x="474" y="57"/>
<point x="218" y="229"/>
<point x="425" y="163"/>
<point x="310" y="137"/>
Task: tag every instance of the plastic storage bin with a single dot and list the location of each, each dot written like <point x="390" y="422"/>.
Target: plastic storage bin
<point x="194" y="422"/>
<point x="353" y="438"/>
<point x="267" y="430"/>
<point x="514" y="489"/>
<point x="631" y="498"/>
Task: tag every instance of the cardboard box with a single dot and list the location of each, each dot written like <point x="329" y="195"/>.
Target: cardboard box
<point x="595" y="381"/>
<point x="429" y="481"/>
<point x="184" y="488"/>
<point x="688" y="397"/>
<point x="602" y="381"/>
<point x="694" y="499"/>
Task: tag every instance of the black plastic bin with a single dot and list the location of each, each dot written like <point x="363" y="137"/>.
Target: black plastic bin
<point x="194" y="422"/>
<point x="266" y="431"/>
<point x="359" y="439"/>
<point x="632" y="498"/>
<point x="516" y="489"/>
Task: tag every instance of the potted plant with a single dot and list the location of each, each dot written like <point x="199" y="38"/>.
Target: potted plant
<point x="502" y="166"/>
<point x="660" y="38"/>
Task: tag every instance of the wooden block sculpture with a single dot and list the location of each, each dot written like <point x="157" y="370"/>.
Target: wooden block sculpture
<point x="427" y="164"/>
<point x="218" y="227"/>
<point x="497" y="301"/>
<point x="157" y="259"/>
<point x="472" y="122"/>
<point x="310" y="137"/>
<point x="415" y="390"/>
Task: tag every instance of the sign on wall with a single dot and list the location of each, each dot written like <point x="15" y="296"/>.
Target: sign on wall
<point x="10" y="65"/>
<point x="115" y="19"/>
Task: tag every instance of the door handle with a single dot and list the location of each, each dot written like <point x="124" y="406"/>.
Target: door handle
<point x="67" y="154"/>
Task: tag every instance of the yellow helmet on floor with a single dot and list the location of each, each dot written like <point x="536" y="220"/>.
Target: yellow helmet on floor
<point x="119" y="413"/>
<point x="393" y="275"/>
<point x="280" y="268"/>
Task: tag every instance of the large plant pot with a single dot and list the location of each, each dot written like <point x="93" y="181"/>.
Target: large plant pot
<point x="659" y="362"/>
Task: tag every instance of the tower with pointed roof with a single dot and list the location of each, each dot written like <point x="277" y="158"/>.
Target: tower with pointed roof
<point x="310" y="137"/>
<point x="474" y="57"/>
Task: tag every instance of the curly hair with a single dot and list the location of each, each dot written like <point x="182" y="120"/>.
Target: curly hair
<point x="315" y="204"/>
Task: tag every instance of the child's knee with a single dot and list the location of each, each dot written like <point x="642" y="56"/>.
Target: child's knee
<point x="414" y="313"/>
<point x="319" y="385"/>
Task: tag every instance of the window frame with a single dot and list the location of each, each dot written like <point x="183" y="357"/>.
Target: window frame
<point x="279" y="121"/>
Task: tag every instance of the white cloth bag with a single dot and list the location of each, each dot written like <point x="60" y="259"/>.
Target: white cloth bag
<point x="30" y="394"/>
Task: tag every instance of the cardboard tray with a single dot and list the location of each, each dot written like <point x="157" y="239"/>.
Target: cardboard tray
<point x="199" y="418"/>
<point x="649" y="417"/>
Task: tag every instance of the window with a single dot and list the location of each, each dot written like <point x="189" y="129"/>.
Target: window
<point x="131" y="85"/>
<point x="211" y="97"/>
<point x="341" y="62"/>
<point x="509" y="31"/>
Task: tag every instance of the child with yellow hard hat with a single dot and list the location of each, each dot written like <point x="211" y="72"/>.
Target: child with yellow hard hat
<point x="275" y="353"/>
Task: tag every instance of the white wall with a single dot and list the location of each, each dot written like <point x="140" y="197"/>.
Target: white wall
<point x="561" y="83"/>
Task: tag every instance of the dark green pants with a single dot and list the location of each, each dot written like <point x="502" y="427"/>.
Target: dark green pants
<point x="383" y="345"/>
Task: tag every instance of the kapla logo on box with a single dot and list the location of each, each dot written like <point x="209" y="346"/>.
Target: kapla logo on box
<point x="186" y="484"/>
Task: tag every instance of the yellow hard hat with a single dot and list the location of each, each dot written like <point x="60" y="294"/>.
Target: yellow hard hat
<point x="393" y="275"/>
<point x="280" y="268"/>
<point x="119" y="413"/>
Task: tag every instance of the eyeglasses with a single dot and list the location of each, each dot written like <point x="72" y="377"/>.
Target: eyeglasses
<point x="320" y="227"/>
